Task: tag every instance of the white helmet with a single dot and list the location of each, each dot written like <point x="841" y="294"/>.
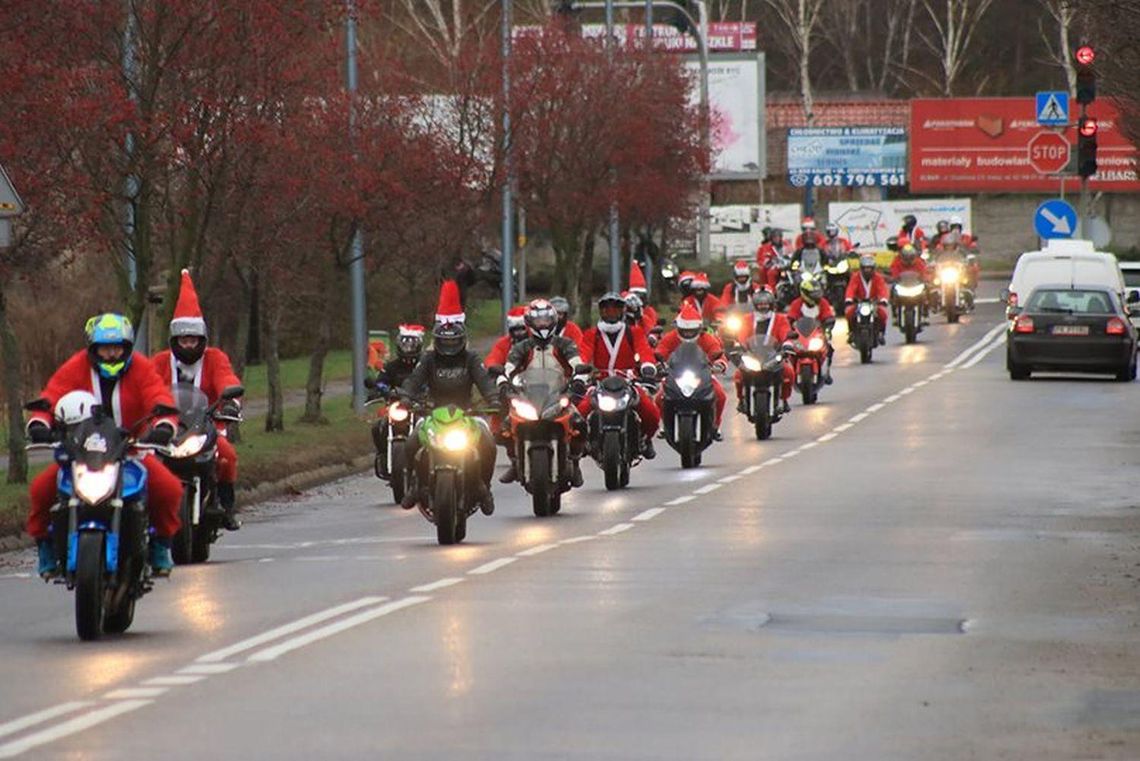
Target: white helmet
<point x="75" y="407"/>
<point x="955" y="220"/>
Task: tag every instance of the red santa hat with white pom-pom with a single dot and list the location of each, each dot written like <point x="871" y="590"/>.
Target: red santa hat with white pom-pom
<point x="450" y="308"/>
<point x="188" y="319"/>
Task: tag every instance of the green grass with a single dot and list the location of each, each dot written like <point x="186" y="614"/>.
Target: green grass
<point x="295" y="373"/>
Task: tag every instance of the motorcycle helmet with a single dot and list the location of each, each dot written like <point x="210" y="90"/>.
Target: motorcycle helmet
<point x="956" y="221"/>
<point x="633" y="308"/>
<point x="689" y="322"/>
<point x="685" y="282"/>
<point x="110" y="329"/>
<point x="810" y="239"/>
<point x="611" y="312"/>
<point x="893" y="243"/>
<point x="75" y="407"/>
<point x="562" y="307"/>
<point x="910" y="222"/>
<point x="942" y="227"/>
<point x="542" y="320"/>
<point x="188" y="327"/>
<point x="765" y="235"/>
<point x="764" y="303"/>
<point x="516" y="323"/>
<point x="808" y="225"/>
<point x="701" y="286"/>
<point x="776" y="236"/>
<point x="810" y="290"/>
<point x="410" y="342"/>
<point x="832" y="231"/>
<point x="908" y="253"/>
<point x="742" y="273"/>
<point x="867" y="266"/>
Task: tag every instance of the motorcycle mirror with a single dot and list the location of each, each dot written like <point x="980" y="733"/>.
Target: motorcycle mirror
<point x="233" y="392"/>
<point x="583" y="369"/>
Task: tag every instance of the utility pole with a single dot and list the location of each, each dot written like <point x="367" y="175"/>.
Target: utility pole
<point x="508" y="242"/>
<point x="356" y="264"/>
<point x="615" y="244"/>
<point x="131" y="184"/>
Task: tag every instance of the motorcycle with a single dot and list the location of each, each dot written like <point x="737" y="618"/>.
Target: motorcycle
<point x="449" y="439"/>
<point x="953" y="293"/>
<point x="762" y="370"/>
<point x="193" y="457"/>
<point x="730" y="324"/>
<point x="615" y="429"/>
<point x="810" y="349"/>
<point x="788" y="284"/>
<point x="391" y="465"/>
<point x="99" y="525"/>
<point x="910" y="295"/>
<point x="541" y="428"/>
<point x="863" y="332"/>
<point x="688" y="404"/>
<point x="838" y="272"/>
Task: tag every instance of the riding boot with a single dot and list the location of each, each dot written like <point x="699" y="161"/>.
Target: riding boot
<point x="511" y="475"/>
<point x="230" y="521"/>
<point x="576" y="479"/>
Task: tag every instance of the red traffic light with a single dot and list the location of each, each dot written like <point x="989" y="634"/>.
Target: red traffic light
<point x="1085" y="55"/>
<point x="1088" y="126"/>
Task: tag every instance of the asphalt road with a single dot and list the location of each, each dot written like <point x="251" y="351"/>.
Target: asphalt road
<point x="933" y="563"/>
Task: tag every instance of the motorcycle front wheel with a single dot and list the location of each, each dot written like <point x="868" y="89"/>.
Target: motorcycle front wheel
<point x="541" y="488"/>
<point x="687" y="442"/>
<point x="90" y="586"/>
<point x="445" y="508"/>
<point x="762" y="420"/>
<point x="612" y="460"/>
<point x="396" y="474"/>
<point x="182" y="546"/>
<point x="807" y="384"/>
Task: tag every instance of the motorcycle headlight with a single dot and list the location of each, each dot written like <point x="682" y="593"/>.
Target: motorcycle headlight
<point x="455" y="440"/>
<point x="948" y="275"/>
<point x="688" y="382"/>
<point x="189" y="446"/>
<point x="524" y="409"/>
<point x="751" y="363"/>
<point x="668" y="270"/>
<point x="910" y="291"/>
<point x="397" y="413"/>
<point x="865" y="309"/>
<point x="842" y="266"/>
<point x="733" y="323"/>
<point x="815" y="344"/>
<point x="94" y="486"/>
<point x="607" y="403"/>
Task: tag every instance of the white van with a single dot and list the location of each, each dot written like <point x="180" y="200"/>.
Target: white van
<point x="1074" y="262"/>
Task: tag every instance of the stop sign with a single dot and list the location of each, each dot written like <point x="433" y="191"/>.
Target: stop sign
<point x="1048" y="152"/>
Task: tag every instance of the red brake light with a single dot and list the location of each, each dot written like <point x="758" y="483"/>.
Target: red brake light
<point x="1115" y="327"/>
<point x="1023" y="325"/>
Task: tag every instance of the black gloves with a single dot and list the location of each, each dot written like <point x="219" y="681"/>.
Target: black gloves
<point x="160" y="435"/>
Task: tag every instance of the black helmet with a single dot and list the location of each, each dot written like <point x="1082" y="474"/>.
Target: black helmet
<point x="776" y="235"/>
<point x="410" y="342"/>
<point x="541" y="320"/>
<point x="611" y="310"/>
<point x="449" y="339"/>
<point x="893" y="243"/>
<point x="910" y="221"/>
<point x="943" y="226"/>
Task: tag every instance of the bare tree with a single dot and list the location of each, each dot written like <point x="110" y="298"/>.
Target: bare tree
<point x="955" y="24"/>
<point x="445" y="26"/>
<point x="1062" y="12"/>
<point x="801" y="19"/>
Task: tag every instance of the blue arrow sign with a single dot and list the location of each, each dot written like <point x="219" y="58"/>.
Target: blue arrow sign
<point x="1052" y="108"/>
<point x="1055" y="219"/>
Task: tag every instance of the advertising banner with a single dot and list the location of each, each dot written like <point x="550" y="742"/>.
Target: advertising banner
<point x="977" y="145"/>
<point x="724" y="36"/>
<point x="847" y="156"/>
<point x="735" y="230"/>
<point x="736" y="100"/>
<point x="870" y="223"/>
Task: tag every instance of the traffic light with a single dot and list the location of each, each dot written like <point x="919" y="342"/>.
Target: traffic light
<point x="1086" y="146"/>
<point x="1085" y="58"/>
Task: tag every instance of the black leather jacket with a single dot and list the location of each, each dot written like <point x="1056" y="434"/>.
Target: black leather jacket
<point x="448" y="380"/>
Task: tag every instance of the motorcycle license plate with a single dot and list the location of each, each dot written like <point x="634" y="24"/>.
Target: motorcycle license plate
<point x="1070" y="330"/>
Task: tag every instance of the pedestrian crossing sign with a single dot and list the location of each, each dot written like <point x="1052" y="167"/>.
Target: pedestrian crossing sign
<point x="1053" y="108"/>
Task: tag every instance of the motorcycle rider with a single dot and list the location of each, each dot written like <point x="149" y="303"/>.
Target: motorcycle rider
<point x="635" y="312"/>
<point x="835" y="245"/>
<point x="811" y="303"/>
<point x="739" y="289"/>
<point x="867" y="284"/>
<point x="691" y="328"/>
<point x="637" y="286"/>
<point x="208" y="368"/>
<point x="912" y="232"/>
<point x="768" y="256"/>
<point x="767" y="321"/>
<point x="614" y="346"/>
<point x="970" y="244"/>
<point x="566" y="326"/>
<point x="409" y="350"/>
<point x="685" y="283"/>
<point x="940" y="231"/>
<point x="128" y="387"/>
<point x="807" y="229"/>
<point x="907" y="260"/>
<point x="542" y="338"/>
<point x="708" y="304"/>
<point x="516" y="332"/>
<point x="445" y="376"/>
<point x="809" y="241"/>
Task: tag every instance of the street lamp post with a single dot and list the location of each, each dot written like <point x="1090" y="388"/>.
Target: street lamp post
<point x="356" y="264"/>
<point x="615" y="251"/>
<point x="508" y="242"/>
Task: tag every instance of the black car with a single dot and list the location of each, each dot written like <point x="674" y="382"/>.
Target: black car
<point x="1070" y="328"/>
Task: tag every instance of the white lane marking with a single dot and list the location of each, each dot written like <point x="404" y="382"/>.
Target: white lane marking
<point x="842" y="428"/>
<point x="752" y="469"/>
<point x="988" y="300"/>
<point x="612" y="530"/>
<point x="936" y="376"/>
<point x="907" y="390"/>
<point x="134" y="693"/>
<point x="172" y="681"/>
<point x="858" y="418"/>
<point x="436" y="585"/>
<point x="891" y="399"/>
<point x="982" y="354"/>
<point x="921" y="383"/>
<point x="302" y="623"/>
<point x="790" y="455"/>
<point x="266" y="560"/>
<point x="536" y="550"/>
<point x="807" y="446"/>
<point x="491" y="567"/>
<point x="39" y="717"/>
<point x="771" y="461"/>
<point x="680" y="500"/>
<point x="70" y="727"/>
<point x="826" y="437"/>
<point x="586" y="538"/>
<point x="649" y="514"/>
<point x="15" y="576"/>
<point x="728" y="479"/>
<point x="707" y="489"/>
<point x="324" y="543"/>
<point x="973" y="348"/>
<point x="874" y="408"/>
<point x="209" y="669"/>
<point x="316" y="635"/>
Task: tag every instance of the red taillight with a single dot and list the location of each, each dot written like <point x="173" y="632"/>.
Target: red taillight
<point x="1023" y="325"/>
<point x="1115" y="327"/>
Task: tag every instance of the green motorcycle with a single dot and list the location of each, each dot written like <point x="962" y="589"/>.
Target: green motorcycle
<point x="449" y="439"/>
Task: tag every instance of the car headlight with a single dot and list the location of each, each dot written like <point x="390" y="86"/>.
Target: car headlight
<point x="751" y="363"/>
<point x="94" y="486"/>
<point x="524" y="409"/>
<point x="865" y="309"/>
<point x="455" y="440"/>
<point x="815" y="344"/>
<point x="910" y="291"/>
<point x="688" y="382"/>
<point x="189" y="446"/>
<point x="948" y="275"/>
<point x="397" y="413"/>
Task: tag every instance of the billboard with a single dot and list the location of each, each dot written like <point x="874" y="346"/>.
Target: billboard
<point x="735" y="230"/>
<point x="724" y="36"/>
<point x="973" y="145"/>
<point x="847" y="156"/>
<point x="736" y="102"/>
<point x="870" y="223"/>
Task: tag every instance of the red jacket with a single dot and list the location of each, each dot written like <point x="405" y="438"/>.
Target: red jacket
<point x="632" y="350"/>
<point x="728" y="295"/>
<point x="672" y="340"/>
<point x="573" y="332"/>
<point x="777" y="328"/>
<point x="858" y="291"/>
<point x="796" y="310"/>
<point x="898" y="266"/>
<point x="498" y="353"/>
<point x="648" y="318"/>
<point x="918" y="239"/>
<point x="215" y="373"/>
<point x="709" y="307"/>
<point x="137" y="392"/>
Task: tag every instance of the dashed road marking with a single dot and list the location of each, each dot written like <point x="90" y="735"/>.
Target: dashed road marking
<point x="874" y="408"/>
<point x="208" y="669"/>
<point x="71" y="726"/>
<point x="707" y="489"/>
<point x="39" y="717"/>
<point x="173" y="680"/>
<point x="491" y="567"/>
<point x="134" y="693"/>
<point x="530" y="552"/>
<point x="649" y="514"/>
<point x="728" y="479"/>
<point x="612" y="530"/>
<point x="680" y="500"/>
<point x="752" y="469"/>
<point x="843" y="427"/>
<point x="826" y="437"/>
<point x="579" y="539"/>
<point x="437" y="585"/>
<point x="858" y="418"/>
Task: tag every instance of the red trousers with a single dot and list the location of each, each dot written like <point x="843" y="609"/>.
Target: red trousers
<point x="227" y="461"/>
<point x="164" y="496"/>
<point x="786" y="386"/>
<point x="718" y="392"/>
<point x="646" y="408"/>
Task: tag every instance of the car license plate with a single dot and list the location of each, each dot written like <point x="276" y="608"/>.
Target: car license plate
<point x="1070" y="330"/>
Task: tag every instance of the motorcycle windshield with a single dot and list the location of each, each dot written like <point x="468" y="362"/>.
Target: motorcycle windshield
<point x="805" y="326"/>
<point x="909" y="279"/>
<point x="809" y="260"/>
<point x="192" y="404"/>
<point x="762" y="347"/>
<point x="94" y="442"/>
<point x="690" y="356"/>
<point x="539" y="384"/>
